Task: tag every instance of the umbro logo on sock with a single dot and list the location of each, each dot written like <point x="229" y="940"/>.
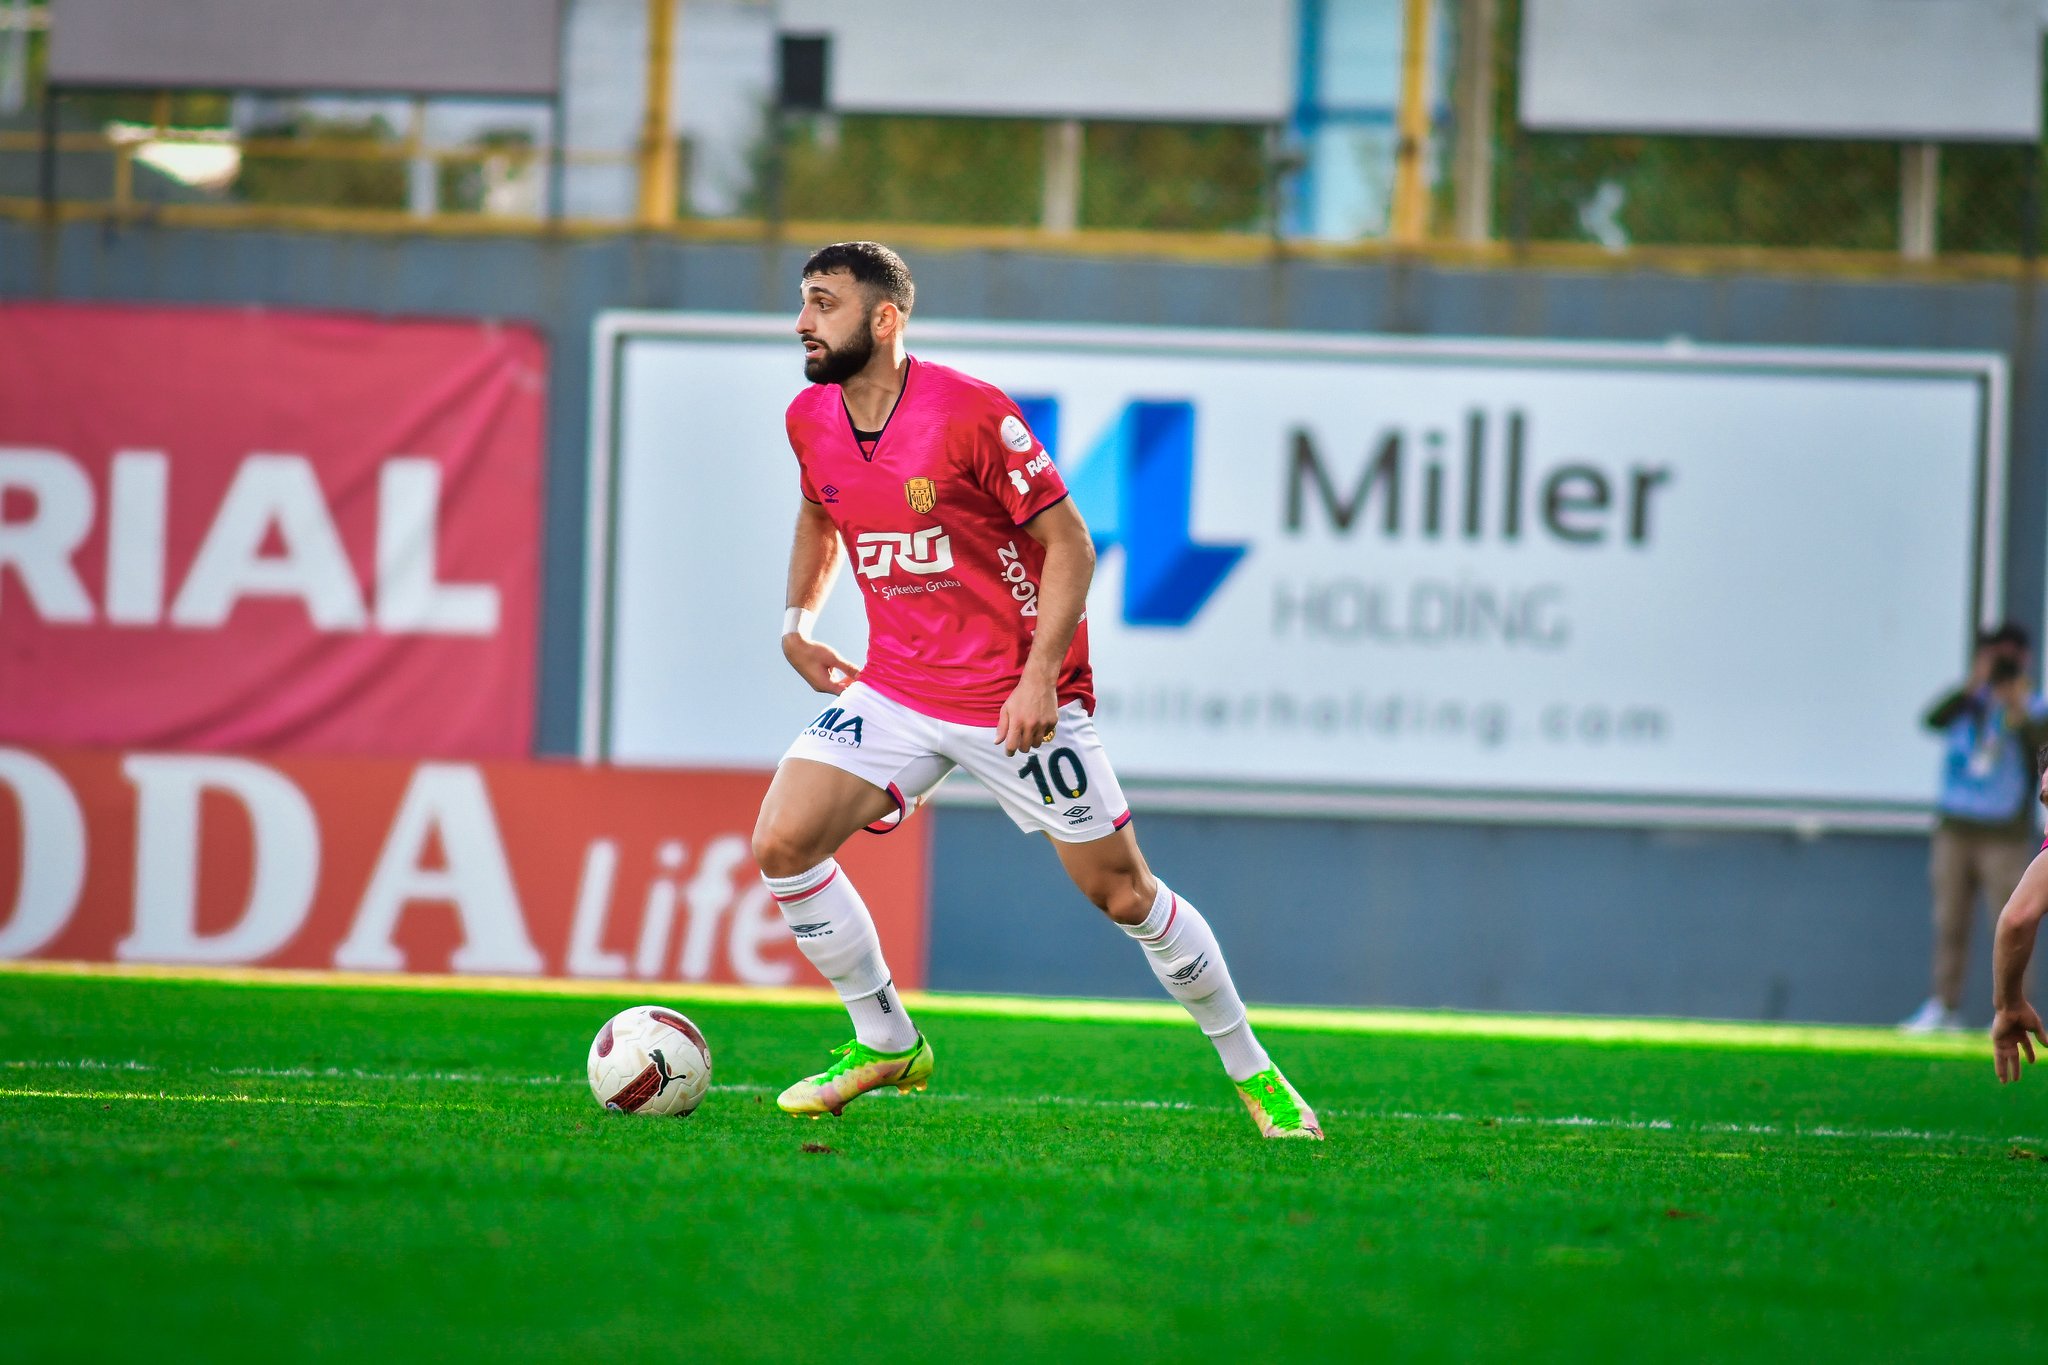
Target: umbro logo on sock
<point x="1185" y="975"/>
<point x="810" y="930"/>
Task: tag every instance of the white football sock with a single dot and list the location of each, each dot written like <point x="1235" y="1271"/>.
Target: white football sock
<point x="835" y="931"/>
<point x="1185" y="957"/>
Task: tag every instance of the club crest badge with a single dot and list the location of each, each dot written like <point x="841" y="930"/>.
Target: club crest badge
<point x="923" y="496"/>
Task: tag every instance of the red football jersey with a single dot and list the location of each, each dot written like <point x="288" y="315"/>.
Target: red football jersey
<point x="932" y="520"/>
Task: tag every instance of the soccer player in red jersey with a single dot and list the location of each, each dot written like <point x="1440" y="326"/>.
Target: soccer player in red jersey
<point x="2014" y="1020"/>
<point x="976" y="566"/>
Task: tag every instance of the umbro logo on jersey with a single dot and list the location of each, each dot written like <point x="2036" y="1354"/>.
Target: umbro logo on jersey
<point x="1076" y="814"/>
<point x="830" y="493"/>
<point x="1187" y="974"/>
<point x="837" y="727"/>
<point x="878" y="554"/>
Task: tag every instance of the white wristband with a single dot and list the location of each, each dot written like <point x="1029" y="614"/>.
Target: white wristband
<point x="798" y="621"/>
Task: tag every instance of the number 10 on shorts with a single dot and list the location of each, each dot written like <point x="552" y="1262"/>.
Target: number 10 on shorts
<point x="1060" y="762"/>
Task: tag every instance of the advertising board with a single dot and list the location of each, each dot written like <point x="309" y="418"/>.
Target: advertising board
<point x="241" y="528"/>
<point x="1486" y="569"/>
<point x="524" y="869"/>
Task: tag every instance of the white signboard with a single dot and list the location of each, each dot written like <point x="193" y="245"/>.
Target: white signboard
<point x="1204" y="61"/>
<point x="1500" y="569"/>
<point x="1904" y="70"/>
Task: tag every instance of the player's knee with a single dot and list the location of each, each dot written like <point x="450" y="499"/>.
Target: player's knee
<point x="782" y="852"/>
<point x="1124" y="898"/>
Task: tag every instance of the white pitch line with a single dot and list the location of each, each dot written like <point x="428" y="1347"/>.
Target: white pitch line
<point x="1669" y="1126"/>
<point x="1706" y="1128"/>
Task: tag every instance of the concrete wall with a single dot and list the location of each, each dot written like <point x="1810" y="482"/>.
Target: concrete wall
<point x="1389" y="912"/>
<point x="1747" y="925"/>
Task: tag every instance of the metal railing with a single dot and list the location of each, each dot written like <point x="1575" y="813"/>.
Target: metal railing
<point x="1466" y="178"/>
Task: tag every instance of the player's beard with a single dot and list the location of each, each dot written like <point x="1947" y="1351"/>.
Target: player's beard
<point x="838" y="364"/>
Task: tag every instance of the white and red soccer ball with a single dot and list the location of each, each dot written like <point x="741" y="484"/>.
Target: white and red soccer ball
<point x="650" y="1060"/>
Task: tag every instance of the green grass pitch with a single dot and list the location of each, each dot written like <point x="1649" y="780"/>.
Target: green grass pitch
<point x="210" y="1171"/>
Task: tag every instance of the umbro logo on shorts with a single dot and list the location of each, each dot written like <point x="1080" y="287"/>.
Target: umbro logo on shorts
<point x="1076" y="814"/>
<point x="838" y="727"/>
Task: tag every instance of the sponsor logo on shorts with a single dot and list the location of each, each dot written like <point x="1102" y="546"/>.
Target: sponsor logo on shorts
<point x="1074" y="815"/>
<point x="836" y="727"/>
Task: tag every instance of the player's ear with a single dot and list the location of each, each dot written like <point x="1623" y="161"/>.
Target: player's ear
<point x="888" y="321"/>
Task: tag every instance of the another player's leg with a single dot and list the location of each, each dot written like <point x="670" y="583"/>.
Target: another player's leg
<point x="1183" y="953"/>
<point x="811" y="809"/>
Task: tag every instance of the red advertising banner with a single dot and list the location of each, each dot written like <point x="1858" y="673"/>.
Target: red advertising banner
<point x="527" y="868"/>
<point x="244" y="529"/>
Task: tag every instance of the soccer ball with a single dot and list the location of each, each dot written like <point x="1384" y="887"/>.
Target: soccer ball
<point x="650" y="1060"/>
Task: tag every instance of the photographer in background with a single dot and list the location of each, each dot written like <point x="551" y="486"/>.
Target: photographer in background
<point x="1991" y="727"/>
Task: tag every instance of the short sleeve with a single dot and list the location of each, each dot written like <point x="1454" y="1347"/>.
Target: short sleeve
<point x="803" y="470"/>
<point x="1011" y="464"/>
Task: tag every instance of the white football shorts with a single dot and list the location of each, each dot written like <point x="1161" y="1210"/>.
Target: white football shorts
<point x="1065" y="788"/>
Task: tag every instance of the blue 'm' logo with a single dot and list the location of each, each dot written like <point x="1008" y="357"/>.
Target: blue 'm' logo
<point x="1134" y="487"/>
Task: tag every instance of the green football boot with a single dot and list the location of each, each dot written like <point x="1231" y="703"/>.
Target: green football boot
<point x="1278" y="1107"/>
<point x="859" y="1069"/>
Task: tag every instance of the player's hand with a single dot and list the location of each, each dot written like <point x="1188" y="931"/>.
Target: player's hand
<point x="820" y="665"/>
<point x="2009" y="1037"/>
<point x="1028" y="718"/>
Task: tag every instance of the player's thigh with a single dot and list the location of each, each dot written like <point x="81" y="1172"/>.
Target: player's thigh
<point x="844" y="772"/>
<point x="810" y="810"/>
<point x="1065" y="788"/>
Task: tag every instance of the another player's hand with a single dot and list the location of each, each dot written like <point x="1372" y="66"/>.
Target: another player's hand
<point x="819" y="664"/>
<point x="2009" y="1036"/>
<point x="1029" y="717"/>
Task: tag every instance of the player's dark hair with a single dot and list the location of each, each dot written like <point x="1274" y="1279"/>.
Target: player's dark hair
<point x="872" y="265"/>
<point x="2041" y="760"/>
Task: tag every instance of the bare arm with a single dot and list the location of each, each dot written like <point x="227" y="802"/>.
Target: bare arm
<point x="2013" y="946"/>
<point x="813" y="563"/>
<point x="1033" y="709"/>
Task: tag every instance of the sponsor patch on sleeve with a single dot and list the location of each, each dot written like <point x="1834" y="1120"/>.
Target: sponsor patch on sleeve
<point x="1016" y="435"/>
